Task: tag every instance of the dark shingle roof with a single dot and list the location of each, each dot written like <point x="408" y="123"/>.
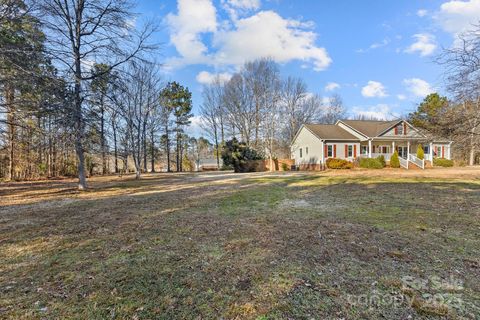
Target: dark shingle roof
<point x="370" y="128"/>
<point x="330" y="132"/>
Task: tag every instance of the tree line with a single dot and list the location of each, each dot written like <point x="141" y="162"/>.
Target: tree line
<point x="80" y="93"/>
<point x="457" y="117"/>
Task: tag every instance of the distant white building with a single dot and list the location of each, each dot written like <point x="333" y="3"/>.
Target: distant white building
<point x="208" y="164"/>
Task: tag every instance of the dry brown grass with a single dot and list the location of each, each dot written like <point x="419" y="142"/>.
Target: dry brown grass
<point x="255" y="246"/>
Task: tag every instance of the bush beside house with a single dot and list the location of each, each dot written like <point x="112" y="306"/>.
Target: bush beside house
<point x="442" y="162"/>
<point x="420" y="152"/>
<point x="372" y="163"/>
<point x="333" y="163"/>
<point x="381" y="159"/>
<point x="394" y="160"/>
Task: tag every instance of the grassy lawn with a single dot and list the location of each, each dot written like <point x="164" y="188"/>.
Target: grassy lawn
<point x="329" y="245"/>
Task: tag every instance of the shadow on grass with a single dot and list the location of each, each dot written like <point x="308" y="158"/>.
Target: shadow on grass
<point x="280" y="247"/>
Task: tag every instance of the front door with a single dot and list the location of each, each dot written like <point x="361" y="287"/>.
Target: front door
<point x="402" y="152"/>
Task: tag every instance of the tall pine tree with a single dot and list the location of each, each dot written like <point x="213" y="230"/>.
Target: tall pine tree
<point x="178" y="99"/>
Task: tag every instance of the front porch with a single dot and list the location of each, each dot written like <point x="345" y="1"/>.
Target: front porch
<point x="406" y="149"/>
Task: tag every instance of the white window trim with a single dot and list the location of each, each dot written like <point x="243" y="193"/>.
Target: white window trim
<point x="350" y="154"/>
<point x="329" y="151"/>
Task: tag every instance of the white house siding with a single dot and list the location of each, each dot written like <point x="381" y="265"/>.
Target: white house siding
<point x="306" y="139"/>
<point x="411" y="132"/>
<point x="341" y="149"/>
<point x="442" y="150"/>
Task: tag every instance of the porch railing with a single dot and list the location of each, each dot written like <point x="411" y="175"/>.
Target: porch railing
<point x="403" y="162"/>
<point x="418" y="162"/>
<point x="427" y="157"/>
<point x="387" y="156"/>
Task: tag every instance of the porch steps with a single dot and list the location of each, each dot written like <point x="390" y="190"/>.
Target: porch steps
<point x="413" y="166"/>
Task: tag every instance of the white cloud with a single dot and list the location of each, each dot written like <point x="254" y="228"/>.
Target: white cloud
<point x="379" y="111"/>
<point x="264" y="34"/>
<point x="375" y="45"/>
<point x="195" y="128"/>
<point x="244" y="4"/>
<point x="331" y="86"/>
<point x="456" y="16"/>
<point x="401" y="97"/>
<point x="424" y="44"/>
<point x="194" y="18"/>
<point x="326" y="101"/>
<point x="206" y="77"/>
<point x="418" y="87"/>
<point x="422" y="13"/>
<point x="374" y="89"/>
<point x="236" y="8"/>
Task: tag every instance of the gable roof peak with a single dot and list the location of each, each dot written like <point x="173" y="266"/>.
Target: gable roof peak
<point x="371" y="128"/>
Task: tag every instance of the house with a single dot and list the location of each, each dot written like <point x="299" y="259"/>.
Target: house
<point x="351" y="139"/>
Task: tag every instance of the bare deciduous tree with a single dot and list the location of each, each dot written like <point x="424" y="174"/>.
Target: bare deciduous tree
<point x="462" y="69"/>
<point x="213" y="113"/>
<point x="334" y="110"/>
<point x="83" y="32"/>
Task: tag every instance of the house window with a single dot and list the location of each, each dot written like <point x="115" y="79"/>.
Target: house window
<point x="301" y="155"/>
<point x="426" y="149"/>
<point x="306" y="150"/>
<point x="399" y="129"/>
<point x="438" y="151"/>
<point x="384" y="149"/>
<point x="350" y="151"/>
<point x="364" y="149"/>
<point x="330" y="151"/>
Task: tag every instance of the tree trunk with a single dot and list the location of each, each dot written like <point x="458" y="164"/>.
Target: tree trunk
<point x="78" y="112"/>
<point x="115" y="149"/>
<point x="257" y="124"/>
<point x="144" y="140"/>
<point x="50" y="148"/>
<point x="216" y="146"/>
<point x="472" y="148"/>
<point x="9" y="101"/>
<point x="222" y="131"/>
<point x="102" y="136"/>
<point x="167" y="142"/>
<point x="137" y="168"/>
<point x="152" y="150"/>
<point x="178" y="150"/>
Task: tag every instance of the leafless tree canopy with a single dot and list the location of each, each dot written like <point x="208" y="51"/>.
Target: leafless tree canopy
<point x="460" y="120"/>
<point x="263" y="110"/>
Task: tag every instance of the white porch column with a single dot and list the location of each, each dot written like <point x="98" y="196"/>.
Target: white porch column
<point x="393" y="147"/>
<point x="369" y="148"/>
<point x="431" y="151"/>
<point x="323" y="152"/>
<point x="408" y="150"/>
<point x="449" y="156"/>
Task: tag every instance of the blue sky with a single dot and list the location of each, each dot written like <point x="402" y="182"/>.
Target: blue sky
<point x="378" y="55"/>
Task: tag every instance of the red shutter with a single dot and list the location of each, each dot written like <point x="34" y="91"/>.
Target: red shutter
<point x="334" y="150"/>
<point x="346" y="151"/>
<point x="404" y="128"/>
<point x="325" y="152"/>
<point x="354" y="150"/>
<point x="443" y="152"/>
<point x="396" y="130"/>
